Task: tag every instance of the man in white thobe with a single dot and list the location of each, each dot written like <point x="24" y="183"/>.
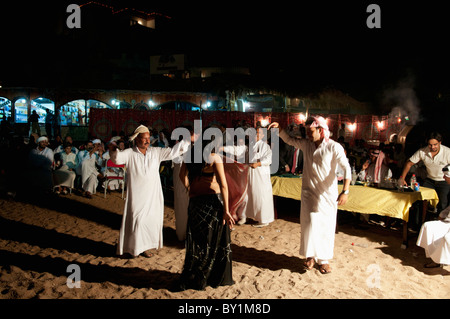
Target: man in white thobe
<point x="143" y="216"/>
<point x="320" y="198"/>
<point x="260" y="199"/>
<point x="434" y="237"/>
<point x="88" y="168"/>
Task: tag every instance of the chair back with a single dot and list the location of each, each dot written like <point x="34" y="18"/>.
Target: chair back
<point x="110" y="163"/>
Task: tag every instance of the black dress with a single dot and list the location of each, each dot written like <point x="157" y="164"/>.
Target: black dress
<point x="208" y="245"/>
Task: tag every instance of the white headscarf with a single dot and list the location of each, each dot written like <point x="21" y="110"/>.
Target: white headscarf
<point x="41" y="139"/>
<point x="319" y="121"/>
<point x="139" y="130"/>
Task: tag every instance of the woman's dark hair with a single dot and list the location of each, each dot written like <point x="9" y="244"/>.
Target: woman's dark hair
<point x="195" y="168"/>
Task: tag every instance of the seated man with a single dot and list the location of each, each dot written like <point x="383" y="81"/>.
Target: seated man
<point x="64" y="175"/>
<point x="434" y="237"/>
<point x="41" y="166"/>
<point x="374" y="169"/>
<point x="61" y="148"/>
<point x="88" y="159"/>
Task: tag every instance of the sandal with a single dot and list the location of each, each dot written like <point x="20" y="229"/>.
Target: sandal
<point x="147" y="254"/>
<point x="432" y="265"/>
<point x="325" y="269"/>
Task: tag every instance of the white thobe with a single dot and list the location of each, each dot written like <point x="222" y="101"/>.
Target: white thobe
<point x="260" y="199"/>
<point x="89" y="173"/>
<point x="434" y="237"/>
<point x="143" y="216"/>
<point x="63" y="176"/>
<point x="319" y="195"/>
<point x="181" y="194"/>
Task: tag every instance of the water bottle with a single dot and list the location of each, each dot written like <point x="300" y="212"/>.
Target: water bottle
<point x="354" y="176"/>
<point x="416" y="187"/>
<point x="413" y="181"/>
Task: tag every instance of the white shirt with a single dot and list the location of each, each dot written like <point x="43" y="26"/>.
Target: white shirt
<point x="434" y="165"/>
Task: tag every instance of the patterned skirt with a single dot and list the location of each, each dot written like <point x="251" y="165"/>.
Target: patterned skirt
<point x="208" y="245"/>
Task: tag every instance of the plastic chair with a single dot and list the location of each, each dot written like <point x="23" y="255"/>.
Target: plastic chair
<point x="121" y="179"/>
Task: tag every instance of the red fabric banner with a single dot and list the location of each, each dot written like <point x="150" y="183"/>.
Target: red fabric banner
<point x="103" y="122"/>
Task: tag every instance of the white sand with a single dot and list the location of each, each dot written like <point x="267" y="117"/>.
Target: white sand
<point x="38" y="241"/>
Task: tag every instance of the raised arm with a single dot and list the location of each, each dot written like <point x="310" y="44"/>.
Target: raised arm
<point x="285" y="136"/>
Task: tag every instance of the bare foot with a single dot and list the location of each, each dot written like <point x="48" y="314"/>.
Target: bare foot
<point x="309" y="263"/>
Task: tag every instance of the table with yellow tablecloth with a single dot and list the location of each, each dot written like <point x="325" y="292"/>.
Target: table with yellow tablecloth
<point x="365" y="200"/>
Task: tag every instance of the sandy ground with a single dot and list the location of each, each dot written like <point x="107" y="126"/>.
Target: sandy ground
<point x="40" y="238"/>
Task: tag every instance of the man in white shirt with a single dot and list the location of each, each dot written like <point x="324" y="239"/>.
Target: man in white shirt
<point x="435" y="157"/>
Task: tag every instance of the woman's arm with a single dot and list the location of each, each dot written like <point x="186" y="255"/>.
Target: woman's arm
<point x="184" y="176"/>
<point x="221" y="179"/>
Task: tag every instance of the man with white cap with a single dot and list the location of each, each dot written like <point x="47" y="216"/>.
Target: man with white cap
<point x="143" y="216"/>
<point x="41" y="162"/>
<point x="320" y="197"/>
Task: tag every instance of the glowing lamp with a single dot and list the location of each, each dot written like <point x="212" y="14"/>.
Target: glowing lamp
<point x="352" y="127"/>
<point x="264" y="122"/>
<point x="302" y="117"/>
<point x="380" y="125"/>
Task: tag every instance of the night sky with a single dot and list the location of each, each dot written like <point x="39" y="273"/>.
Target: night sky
<point x="294" y="43"/>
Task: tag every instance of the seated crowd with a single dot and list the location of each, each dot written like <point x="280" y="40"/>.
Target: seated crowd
<point x="83" y="166"/>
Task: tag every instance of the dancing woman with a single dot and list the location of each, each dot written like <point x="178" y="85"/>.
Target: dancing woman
<point x="208" y="242"/>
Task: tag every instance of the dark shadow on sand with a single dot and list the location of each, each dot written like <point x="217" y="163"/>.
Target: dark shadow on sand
<point x="47" y="238"/>
<point x="75" y="208"/>
<point x="135" y="277"/>
<point x="258" y="258"/>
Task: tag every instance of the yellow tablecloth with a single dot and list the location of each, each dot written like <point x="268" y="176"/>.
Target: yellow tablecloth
<point x="364" y="200"/>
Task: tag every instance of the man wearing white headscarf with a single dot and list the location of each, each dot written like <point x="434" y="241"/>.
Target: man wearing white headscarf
<point x="142" y="221"/>
<point x="320" y="197"/>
